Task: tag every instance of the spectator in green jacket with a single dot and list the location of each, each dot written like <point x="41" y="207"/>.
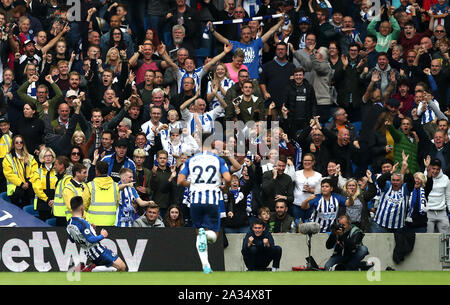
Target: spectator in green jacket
<point x="406" y="142"/>
<point x="388" y="31"/>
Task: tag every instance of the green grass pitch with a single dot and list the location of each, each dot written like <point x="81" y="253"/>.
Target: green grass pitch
<point x="226" y="278"/>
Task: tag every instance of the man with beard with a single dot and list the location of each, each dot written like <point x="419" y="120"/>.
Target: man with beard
<point x="179" y="41"/>
<point x="29" y="56"/>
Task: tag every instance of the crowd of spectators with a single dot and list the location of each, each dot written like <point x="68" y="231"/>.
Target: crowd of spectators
<point x="359" y="92"/>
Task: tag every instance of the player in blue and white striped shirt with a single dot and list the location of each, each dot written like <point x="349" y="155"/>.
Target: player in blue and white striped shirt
<point x="203" y="174"/>
<point x="83" y="234"/>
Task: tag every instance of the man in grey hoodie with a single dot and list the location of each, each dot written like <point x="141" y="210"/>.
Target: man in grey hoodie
<point x="150" y="219"/>
<point x="438" y="199"/>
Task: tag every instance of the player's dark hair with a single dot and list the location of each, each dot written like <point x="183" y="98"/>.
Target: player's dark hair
<point x="75" y="202"/>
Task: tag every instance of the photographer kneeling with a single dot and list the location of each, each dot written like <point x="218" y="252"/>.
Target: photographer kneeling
<point x="348" y="248"/>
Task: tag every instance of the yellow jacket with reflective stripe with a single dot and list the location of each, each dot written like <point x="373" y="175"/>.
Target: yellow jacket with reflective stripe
<point x="70" y="191"/>
<point x="41" y="184"/>
<point x="5" y="145"/>
<point x="59" y="207"/>
<point x="15" y="172"/>
<point x="101" y="199"/>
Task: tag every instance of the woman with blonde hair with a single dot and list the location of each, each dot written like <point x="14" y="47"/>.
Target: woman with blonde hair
<point x="79" y="139"/>
<point x="46" y="183"/>
<point x="220" y="84"/>
<point x="20" y="168"/>
<point x="358" y="212"/>
<point x="236" y="64"/>
<point x="113" y="61"/>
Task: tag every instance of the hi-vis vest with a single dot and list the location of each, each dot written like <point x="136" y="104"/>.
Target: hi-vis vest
<point x="78" y="191"/>
<point x="43" y="177"/>
<point x="5" y="145"/>
<point x="11" y="187"/>
<point x="59" y="207"/>
<point x="102" y="210"/>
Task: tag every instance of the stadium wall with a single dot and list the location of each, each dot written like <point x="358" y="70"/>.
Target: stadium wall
<point x="424" y="257"/>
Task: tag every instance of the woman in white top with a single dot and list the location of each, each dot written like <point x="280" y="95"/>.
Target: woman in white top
<point x="306" y="182"/>
<point x="220" y="83"/>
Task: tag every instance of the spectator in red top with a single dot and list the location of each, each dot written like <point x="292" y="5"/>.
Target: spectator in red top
<point x="410" y="38"/>
<point x="405" y="98"/>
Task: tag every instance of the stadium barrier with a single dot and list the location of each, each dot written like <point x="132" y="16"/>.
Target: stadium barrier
<point x="142" y="249"/>
<point x="424" y="257"/>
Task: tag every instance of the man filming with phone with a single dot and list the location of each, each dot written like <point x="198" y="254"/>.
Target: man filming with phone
<point x="349" y="251"/>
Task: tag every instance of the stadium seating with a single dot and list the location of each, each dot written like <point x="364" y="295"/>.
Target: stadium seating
<point x="51" y="222"/>
<point x="30" y="210"/>
<point x="5" y="197"/>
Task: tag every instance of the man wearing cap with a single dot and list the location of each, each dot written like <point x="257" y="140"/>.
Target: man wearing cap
<point x="29" y="56"/>
<point x="119" y="160"/>
<point x="299" y="37"/>
<point x="406" y="99"/>
<point x="439" y="198"/>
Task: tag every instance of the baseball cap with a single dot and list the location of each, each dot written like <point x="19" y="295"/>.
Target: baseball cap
<point x="28" y="41"/>
<point x="304" y="19"/>
<point x="71" y="93"/>
<point x="3" y="119"/>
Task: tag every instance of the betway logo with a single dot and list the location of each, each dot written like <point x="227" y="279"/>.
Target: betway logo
<point x="14" y="252"/>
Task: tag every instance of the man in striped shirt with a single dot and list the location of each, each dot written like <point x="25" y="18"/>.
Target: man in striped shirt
<point x="325" y="205"/>
<point x="189" y="69"/>
<point x="393" y="203"/>
<point x="126" y="211"/>
<point x="203" y="174"/>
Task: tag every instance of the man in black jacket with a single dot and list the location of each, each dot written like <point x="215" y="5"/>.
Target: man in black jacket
<point x="300" y="99"/>
<point x="258" y="248"/>
<point x="346" y="239"/>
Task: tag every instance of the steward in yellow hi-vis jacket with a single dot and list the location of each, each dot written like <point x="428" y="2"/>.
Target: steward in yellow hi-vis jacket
<point x="5" y="147"/>
<point x="101" y="197"/>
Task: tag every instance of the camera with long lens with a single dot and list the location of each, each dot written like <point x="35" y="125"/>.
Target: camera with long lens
<point x="337" y="226"/>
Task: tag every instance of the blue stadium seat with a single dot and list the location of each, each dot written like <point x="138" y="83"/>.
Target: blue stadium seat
<point x="30" y="210"/>
<point x="357" y="126"/>
<point x="51" y="222"/>
<point x="201" y="55"/>
<point x="5" y="197"/>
